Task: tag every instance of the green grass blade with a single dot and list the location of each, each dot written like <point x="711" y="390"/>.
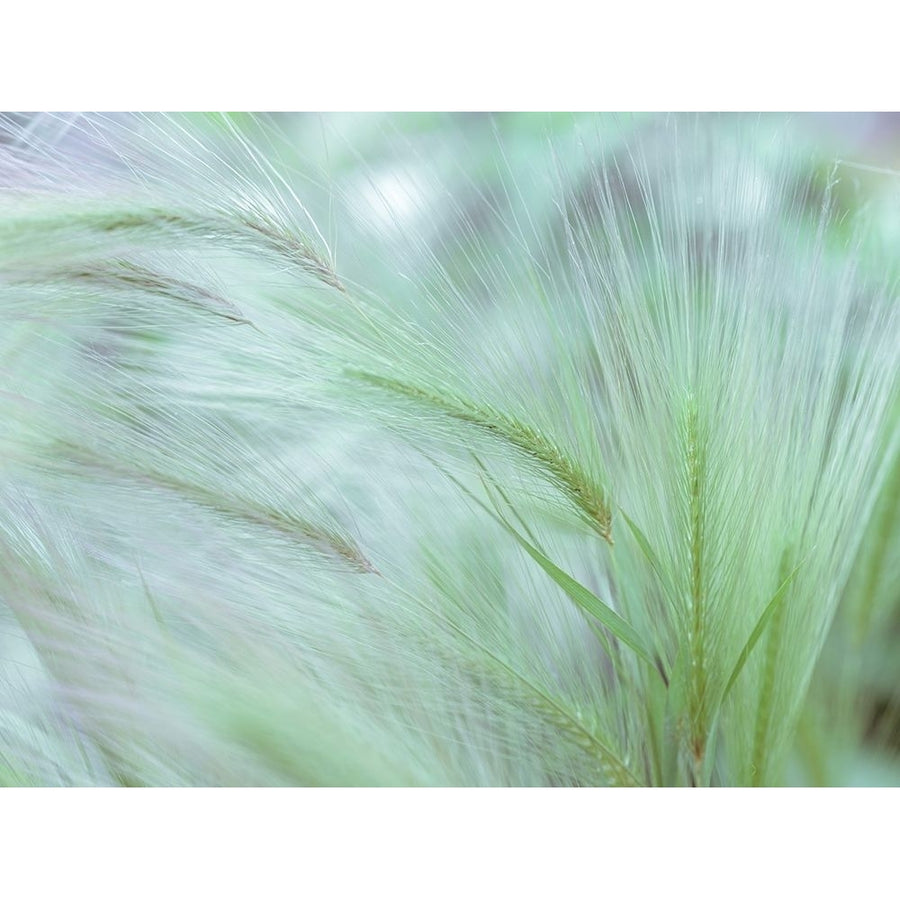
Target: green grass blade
<point x="756" y="634"/>
<point x="585" y="599"/>
<point x="614" y="768"/>
<point x="646" y="549"/>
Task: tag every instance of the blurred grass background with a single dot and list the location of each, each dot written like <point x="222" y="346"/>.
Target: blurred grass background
<point x="385" y="174"/>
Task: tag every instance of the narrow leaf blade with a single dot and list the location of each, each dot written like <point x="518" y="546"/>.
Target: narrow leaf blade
<point x="585" y="599"/>
<point x="757" y="632"/>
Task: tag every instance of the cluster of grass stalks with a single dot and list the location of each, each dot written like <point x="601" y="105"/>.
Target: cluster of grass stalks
<point x="494" y="451"/>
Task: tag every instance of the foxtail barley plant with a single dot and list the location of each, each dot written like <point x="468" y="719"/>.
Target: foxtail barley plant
<point x="445" y="451"/>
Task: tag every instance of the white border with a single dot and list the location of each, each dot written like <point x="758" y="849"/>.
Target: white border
<point x="447" y="56"/>
<point x="447" y="843"/>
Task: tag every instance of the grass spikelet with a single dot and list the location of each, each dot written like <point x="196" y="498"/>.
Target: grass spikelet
<point x="612" y="769"/>
<point x="316" y="536"/>
<point x="161" y="226"/>
<point x="582" y="491"/>
<point x="125" y="276"/>
<point x="695" y="476"/>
